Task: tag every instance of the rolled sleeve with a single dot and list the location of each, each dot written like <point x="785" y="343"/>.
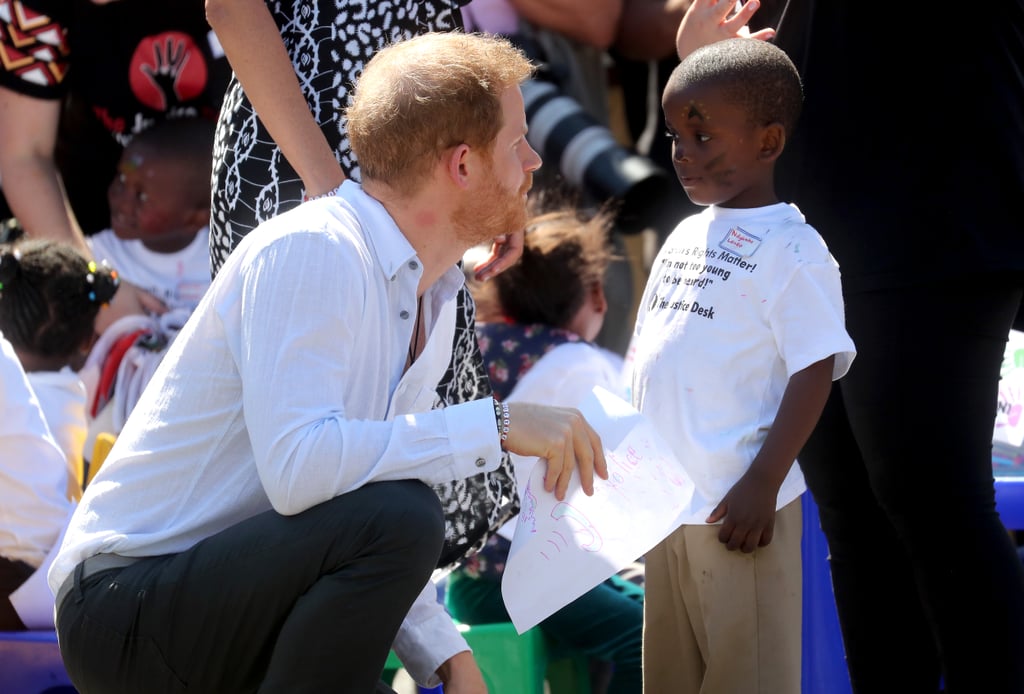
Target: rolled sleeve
<point x="427" y="638"/>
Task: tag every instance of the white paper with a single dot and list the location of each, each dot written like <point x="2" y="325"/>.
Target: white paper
<point x="1009" y="424"/>
<point x="562" y="549"/>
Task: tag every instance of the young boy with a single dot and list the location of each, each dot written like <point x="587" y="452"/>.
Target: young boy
<point x="739" y="335"/>
<point x="158" y="242"/>
<point x="159" y="212"/>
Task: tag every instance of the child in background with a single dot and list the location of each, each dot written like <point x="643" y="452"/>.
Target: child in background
<point x="159" y="212"/>
<point x="50" y="296"/>
<point x="540" y="349"/>
<point x="739" y="335"/>
<point x="33" y="480"/>
<point x="159" y="242"/>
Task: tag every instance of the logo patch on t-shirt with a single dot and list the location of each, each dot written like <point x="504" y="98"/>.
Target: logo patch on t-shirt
<point x="739" y="242"/>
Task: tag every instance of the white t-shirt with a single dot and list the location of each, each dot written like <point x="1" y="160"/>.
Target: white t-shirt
<point x="33" y="473"/>
<point x="62" y="396"/>
<point x="178" y="279"/>
<point x="738" y="300"/>
<point x="284" y="389"/>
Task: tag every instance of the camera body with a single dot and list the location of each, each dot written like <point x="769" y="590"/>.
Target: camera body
<point x="585" y="152"/>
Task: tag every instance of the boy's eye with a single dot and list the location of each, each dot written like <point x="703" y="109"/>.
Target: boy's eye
<point x="671" y="135"/>
<point x="701" y="137"/>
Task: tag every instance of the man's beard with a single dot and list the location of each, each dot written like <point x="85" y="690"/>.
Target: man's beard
<point x="491" y="211"/>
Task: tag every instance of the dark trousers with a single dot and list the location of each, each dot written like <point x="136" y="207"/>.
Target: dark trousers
<point x="303" y="603"/>
<point x="13" y="573"/>
<point x="926" y="578"/>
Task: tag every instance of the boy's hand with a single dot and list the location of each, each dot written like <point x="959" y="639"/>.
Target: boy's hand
<point x="748" y="510"/>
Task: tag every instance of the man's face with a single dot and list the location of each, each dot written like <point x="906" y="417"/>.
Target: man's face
<point x="497" y="205"/>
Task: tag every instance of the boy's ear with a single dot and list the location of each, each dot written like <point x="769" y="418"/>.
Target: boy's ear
<point x="773" y="141"/>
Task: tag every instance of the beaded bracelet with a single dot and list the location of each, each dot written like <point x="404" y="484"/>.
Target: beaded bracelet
<point x="307" y="198"/>
<point x="502" y="420"/>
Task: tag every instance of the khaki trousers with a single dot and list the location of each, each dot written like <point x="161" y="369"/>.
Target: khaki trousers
<point x="721" y="622"/>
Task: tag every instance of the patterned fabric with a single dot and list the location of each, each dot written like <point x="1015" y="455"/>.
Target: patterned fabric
<point x="489" y="562"/>
<point x="329" y="43"/>
<point x="33" y="46"/>
<point x="130" y="63"/>
<point x="510" y="350"/>
<point x="477" y="506"/>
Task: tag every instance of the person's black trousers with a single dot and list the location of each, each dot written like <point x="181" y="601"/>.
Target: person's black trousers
<point x="290" y="604"/>
<point x="927" y="580"/>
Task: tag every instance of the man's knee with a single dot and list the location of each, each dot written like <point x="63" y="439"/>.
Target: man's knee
<point x="414" y="517"/>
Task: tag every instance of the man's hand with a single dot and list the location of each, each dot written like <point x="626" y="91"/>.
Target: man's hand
<point x="505" y="251"/>
<point x="563" y="438"/>
<point x="708" y="21"/>
<point x="461" y="675"/>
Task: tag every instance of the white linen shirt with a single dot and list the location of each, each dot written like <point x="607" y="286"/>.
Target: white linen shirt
<point x="285" y="389"/>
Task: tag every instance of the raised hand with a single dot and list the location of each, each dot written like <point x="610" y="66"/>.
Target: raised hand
<point x="505" y="251"/>
<point x="708" y="21"/>
<point x="563" y="438"/>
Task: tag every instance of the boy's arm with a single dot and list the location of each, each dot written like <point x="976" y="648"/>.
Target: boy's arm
<point x="748" y="509"/>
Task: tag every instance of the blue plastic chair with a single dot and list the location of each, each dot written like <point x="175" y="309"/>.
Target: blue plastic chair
<point x="30" y="663"/>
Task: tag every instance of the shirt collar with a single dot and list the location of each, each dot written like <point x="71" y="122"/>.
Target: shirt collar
<point x="390" y="246"/>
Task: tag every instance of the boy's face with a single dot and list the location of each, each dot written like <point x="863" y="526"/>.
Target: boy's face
<point x="151" y="199"/>
<point x="718" y="154"/>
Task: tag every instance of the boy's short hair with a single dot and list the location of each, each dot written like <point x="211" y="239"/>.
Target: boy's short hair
<point x="419" y="97"/>
<point x="755" y="75"/>
<point x="188" y="140"/>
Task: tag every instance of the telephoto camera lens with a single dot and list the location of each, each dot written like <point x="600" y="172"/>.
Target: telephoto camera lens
<point x="588" y="156"/>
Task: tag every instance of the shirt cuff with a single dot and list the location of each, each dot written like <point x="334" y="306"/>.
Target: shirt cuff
<point x="473" y="435"/>
<point x="427" y="638"/>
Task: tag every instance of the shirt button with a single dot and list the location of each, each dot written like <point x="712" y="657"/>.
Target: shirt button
<point x="394" y="277"/>
<point x="404" y="314"/>
<point x="413" y="265"/>
<point x="480" y="462"/>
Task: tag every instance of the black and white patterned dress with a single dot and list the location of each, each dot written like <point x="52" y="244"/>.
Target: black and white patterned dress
<point x="329" y="42"/>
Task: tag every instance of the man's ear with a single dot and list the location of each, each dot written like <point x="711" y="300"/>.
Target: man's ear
<point x="773" y="141"/>
<point x="457" y="164"/>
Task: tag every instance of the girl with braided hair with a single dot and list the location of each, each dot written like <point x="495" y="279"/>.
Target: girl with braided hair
<point x="50" y="295"/>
